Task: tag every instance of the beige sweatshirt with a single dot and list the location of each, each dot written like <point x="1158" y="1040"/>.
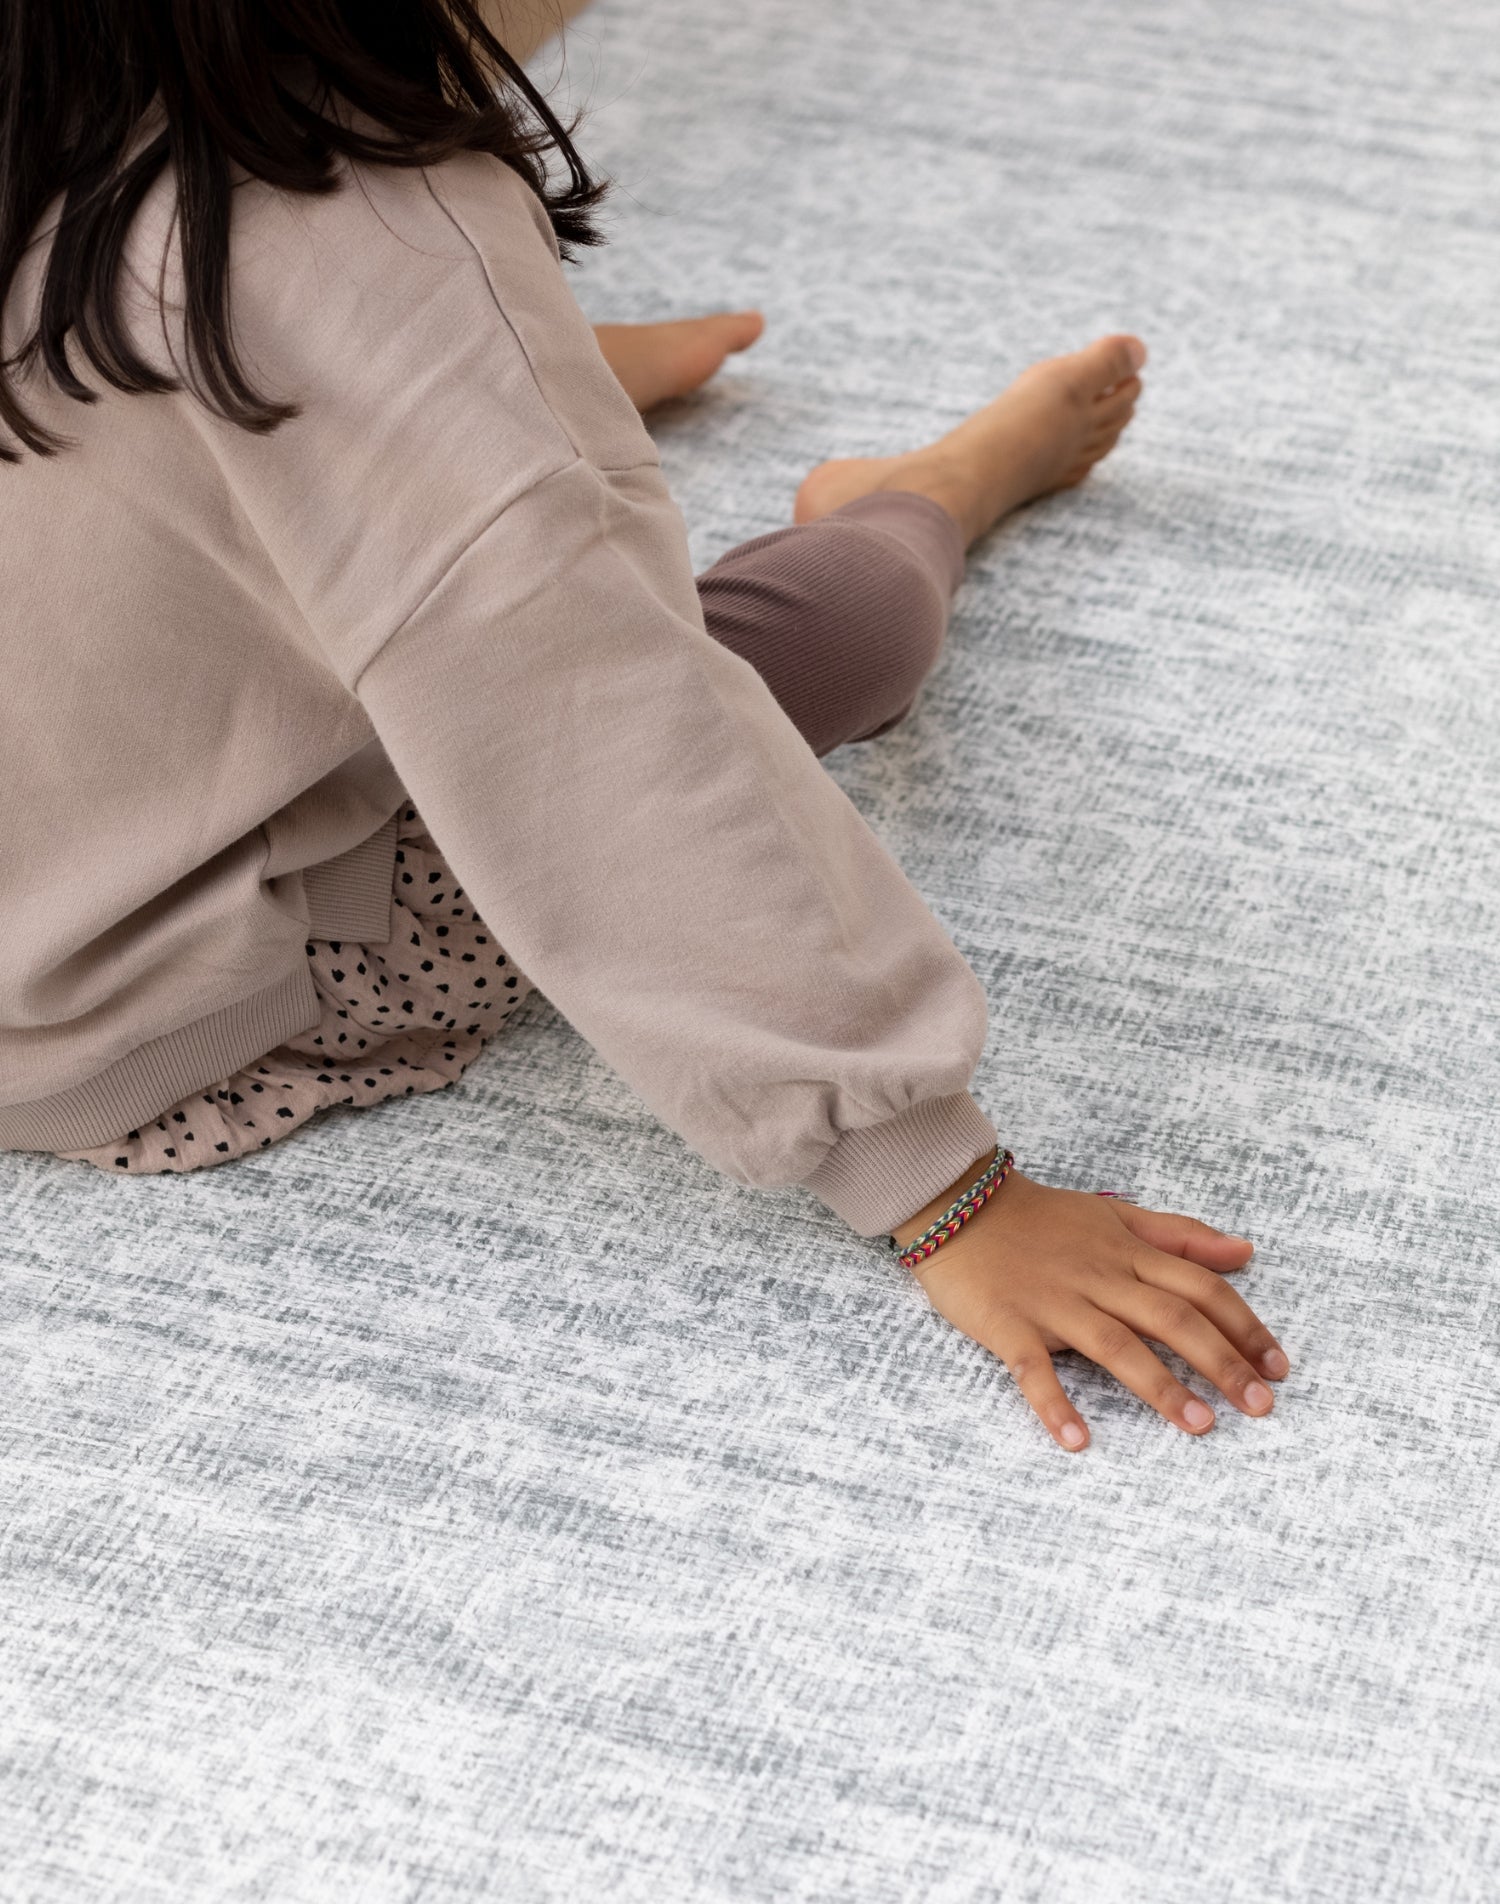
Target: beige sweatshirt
<point x="226" y="659"/>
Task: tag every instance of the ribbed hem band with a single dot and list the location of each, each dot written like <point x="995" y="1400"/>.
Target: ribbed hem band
<point x="346" y="897"/>
<point x="879" y="1177"/>
<point x="132" y="1090"/>
<point x="925" y="526"/>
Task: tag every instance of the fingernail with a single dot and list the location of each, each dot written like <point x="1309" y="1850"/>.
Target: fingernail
<point x="1274" y="1364"/>
<point x="1072" y="1434"/>
<point x="1137" y="353"/>
<point x="1257" y="1397"/>
<point x="1197" y="1414"/>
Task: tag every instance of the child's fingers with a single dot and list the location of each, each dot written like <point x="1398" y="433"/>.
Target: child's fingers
<point x="1173" y="1320"/>
<point x="1115" y="1346"/>
<point x="1025" y="1354"/>
<point x="1186" y="1236"/>
<point x="1225" y="1307"/>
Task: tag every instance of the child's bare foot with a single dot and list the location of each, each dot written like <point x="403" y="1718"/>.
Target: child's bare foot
<point x="657" y="361"/>
<point x="1045" y="432"/>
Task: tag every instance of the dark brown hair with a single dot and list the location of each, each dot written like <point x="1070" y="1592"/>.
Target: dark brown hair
<point x="76" y="76"/>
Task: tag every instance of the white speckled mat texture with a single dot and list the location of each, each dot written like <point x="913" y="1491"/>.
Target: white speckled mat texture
<point x="480" y="1498"/>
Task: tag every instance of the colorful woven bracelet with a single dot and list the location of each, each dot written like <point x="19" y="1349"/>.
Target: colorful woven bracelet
<point x="957" y="1214"/>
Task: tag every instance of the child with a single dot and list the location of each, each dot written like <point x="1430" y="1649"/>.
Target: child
<point x="330" y="521"/>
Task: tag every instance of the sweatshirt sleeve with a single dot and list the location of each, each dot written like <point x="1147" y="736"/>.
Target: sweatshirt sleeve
<point x="662" y="854"/>
<point x="623" y="799"/>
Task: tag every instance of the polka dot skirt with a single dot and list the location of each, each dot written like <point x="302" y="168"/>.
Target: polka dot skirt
<point x="400" y="1018"/>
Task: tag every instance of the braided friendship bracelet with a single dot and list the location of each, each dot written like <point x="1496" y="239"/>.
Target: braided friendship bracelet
<point x="959" y="1212"/>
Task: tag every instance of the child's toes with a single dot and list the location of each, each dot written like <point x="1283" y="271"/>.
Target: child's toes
<point x="1121" y="399"/>
<point x="1110" y="425"/>
<point x="743" y="328"/>
<point x="728" y="331"/>
<point x="1106" y="363"/>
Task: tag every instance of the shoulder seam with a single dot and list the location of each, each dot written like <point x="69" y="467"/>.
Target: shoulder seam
<point x="541" y="482"/>
<point x="457" y="224"/>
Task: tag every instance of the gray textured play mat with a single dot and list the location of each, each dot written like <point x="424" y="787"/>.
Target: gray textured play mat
<point x="480" y="1498"/>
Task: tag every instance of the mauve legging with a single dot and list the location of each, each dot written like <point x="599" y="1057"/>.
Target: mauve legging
<point x="843" y="617"/>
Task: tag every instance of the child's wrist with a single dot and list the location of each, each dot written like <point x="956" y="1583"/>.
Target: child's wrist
<point x="912" y="1228"/>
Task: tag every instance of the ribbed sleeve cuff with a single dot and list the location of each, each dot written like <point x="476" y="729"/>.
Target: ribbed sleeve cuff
<point x="878" y="1177"/>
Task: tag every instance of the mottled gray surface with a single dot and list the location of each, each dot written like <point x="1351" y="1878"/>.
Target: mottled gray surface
<point x="480" y="1498"/>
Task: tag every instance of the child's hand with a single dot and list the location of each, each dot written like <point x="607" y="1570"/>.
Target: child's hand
<point x="1037" y="1269"/>
<point x="658" y="361"/>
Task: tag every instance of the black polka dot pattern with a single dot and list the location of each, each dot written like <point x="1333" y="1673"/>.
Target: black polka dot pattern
<point x="398" y="1019"/>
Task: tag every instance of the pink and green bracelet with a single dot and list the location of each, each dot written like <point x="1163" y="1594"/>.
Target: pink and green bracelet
<point x="957" y="1214"/>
